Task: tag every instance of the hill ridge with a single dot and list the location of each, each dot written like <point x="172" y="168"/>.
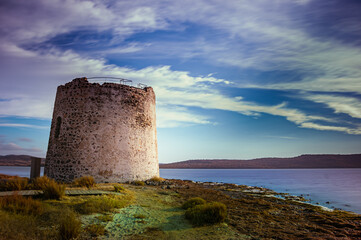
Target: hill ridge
<point x="302" y="161"/>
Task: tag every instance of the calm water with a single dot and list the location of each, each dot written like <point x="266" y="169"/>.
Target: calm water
<point x="340" y="187"/>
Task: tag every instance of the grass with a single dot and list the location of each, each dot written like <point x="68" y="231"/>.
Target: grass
<point x="85" y="181"/>
<point x="22" y="205"/>
<point x="208" y="213"/>
<point x="53" y="190"/>
<point x="14" y="184"/>
<point x="95" y="230"/>
<point x="70" y="226"/>
<point x="119" y="188"/>
<point x="193" y="202"/>
<point x="20" y="227"/>
<point x="101" y="204"/>
<point x="28" y="218"/>
<point x="40" y="183"/>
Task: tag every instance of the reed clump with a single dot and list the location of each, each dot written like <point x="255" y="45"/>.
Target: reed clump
<point x="40" y="183"/>
<point x="85" y="181"/>
<point x="53" y="190"/>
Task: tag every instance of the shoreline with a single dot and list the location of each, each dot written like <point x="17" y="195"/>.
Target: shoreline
<point x="318" y="197"/>
<point x="266" y="192"/>
<point x="153" y="210"/>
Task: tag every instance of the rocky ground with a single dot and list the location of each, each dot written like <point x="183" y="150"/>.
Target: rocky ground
<point x="253" y="213"/>
<point x="153" y="211"/>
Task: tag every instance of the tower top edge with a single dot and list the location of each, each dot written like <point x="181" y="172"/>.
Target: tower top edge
<point x="83" y="82"/>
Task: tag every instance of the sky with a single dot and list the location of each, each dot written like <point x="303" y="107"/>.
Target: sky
<point x="234" y="79"/>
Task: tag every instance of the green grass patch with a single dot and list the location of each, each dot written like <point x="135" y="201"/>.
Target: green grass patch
<point x="193" y="202"/>
<point x="208" y="213"/>
<point x="101" y="204"/>
<point x="85" y="181"/>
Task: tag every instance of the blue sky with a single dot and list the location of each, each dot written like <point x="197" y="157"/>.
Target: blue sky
<point x="233" y="79"/>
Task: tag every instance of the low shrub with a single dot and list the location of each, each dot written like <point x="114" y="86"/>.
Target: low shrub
<point x="85" y="181"/>
<point x="40" y="183"/>
<point x="14" y="184"/>
<point x="53" y="190"/>
<point x="139" y="183"/>
<point x="19" y="204"/>
<point x="119" y="188"/>
<point x="156" y="179"/>
<point x="208" y="213"/>
<point x="70" y="226"/>
<point x="95" y="230"/>
<point x="193" y="202"/>
<point x="100" y="204"/>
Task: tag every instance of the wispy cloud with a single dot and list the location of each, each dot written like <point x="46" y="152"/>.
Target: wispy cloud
<point x="340" y="104"/>
<point x="175" y="116"/>
<point x="13" y="148"/>
<point x="283" y="137"/>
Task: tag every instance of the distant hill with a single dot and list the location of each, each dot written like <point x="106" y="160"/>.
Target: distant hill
<point x="303" y="161"/>
<point x="17" y="160"/>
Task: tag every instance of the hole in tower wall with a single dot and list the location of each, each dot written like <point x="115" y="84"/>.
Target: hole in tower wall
<point x="57" y="128"/>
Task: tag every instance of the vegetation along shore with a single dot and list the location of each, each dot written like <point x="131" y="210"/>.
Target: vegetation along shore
<point x="162" y="209"/>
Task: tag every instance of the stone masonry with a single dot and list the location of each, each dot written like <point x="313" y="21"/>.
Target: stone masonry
<point x="106" y="131"/>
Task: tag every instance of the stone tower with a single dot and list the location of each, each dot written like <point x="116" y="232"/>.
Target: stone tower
<point x="106" y="131"/>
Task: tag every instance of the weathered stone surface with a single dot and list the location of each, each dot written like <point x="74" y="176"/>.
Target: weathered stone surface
<point x="106" y="131"/>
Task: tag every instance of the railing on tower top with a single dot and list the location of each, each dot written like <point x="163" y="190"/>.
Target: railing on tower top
<point x="117" y="80"/>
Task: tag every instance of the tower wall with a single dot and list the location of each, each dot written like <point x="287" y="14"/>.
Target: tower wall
<point x="106" y="131"/>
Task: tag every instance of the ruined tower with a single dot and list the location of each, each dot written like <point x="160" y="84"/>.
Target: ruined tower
<point x="106" y="131"/>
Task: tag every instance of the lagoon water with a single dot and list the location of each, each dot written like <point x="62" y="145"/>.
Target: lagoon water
<point x="340" y="187"/>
